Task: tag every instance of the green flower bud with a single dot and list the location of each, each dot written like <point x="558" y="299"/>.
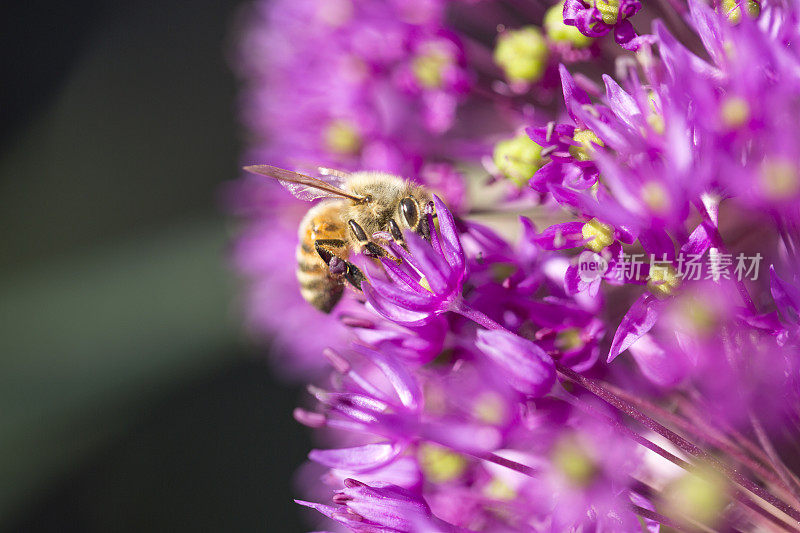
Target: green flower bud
<point x="733" y="9"/>
<point x="518" y="158"/>
<point x="522" y="54"/>
<point x="342" y="137"/>
<point x="735" y="112"/>
<point x="779" y="179"/>
<point x="430" y="65"/>
<point x="574" y="462"/>
<point x="560" y="32"/>
<point x="700" y="497"/>
<point x="439" y="464"/>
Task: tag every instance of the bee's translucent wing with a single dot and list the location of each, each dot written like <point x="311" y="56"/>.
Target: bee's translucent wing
<point x="302" y="186"/>
<point x="338" y="175"/>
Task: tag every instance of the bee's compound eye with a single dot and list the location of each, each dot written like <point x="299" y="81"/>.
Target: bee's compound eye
<point x="408" y="208"/>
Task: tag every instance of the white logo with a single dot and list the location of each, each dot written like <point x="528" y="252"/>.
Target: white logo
<point x="591" y="266"/>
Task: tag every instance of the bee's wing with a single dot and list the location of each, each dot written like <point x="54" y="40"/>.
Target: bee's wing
<point x="302" y="186"/>
<point x="339" y="175"/>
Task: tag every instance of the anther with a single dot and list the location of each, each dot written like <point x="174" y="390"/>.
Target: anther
<point x="308" y="418"/>
<point x="341" y="498"/>
<point x="339" y="363"/>
<point x="355" y="322"/>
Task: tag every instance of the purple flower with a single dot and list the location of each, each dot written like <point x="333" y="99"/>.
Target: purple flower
<point x="595" y="18"/>
<point x="428" y="281"/>
<point x="526" y="367"/>
<point x="439" y="391"/>
<point x="381" y="507"/>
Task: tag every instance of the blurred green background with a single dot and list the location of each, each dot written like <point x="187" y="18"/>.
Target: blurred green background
<point x="128" y="399"/>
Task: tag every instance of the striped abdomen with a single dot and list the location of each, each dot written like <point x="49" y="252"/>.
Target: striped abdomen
<point x="321" y="223"/>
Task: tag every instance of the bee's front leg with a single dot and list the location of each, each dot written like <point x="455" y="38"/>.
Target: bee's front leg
<point x="397" y="235"/>
<point x="336" y="265"/>
<point x="368" y="247"/>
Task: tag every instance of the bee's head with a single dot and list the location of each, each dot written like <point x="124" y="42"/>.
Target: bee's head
<point x="412" y="212"/>
<point x="389" y="203"/>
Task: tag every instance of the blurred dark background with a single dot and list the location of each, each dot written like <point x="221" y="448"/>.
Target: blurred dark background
<point x="128" y="399"/>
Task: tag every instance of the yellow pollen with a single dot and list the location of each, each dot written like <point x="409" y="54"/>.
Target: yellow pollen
<point x="700" y="496"/>
<point x="563" y="33"/>
<point x="587" y="140"/>
<point x="569" y="339"/>
<point x="341" y="137"/>
<point x="522" y="54"/>
<point x="489" y="408"/>
<point x="502" y="271"/>
<point x="609" y="10"/>
<point x="439" y="464"/>
<point x="697" y="315"/>
<point x="518" y="158"/>
<point x="425" y="285"/>
<point x="656" y="122"/>
<point x="656" y="197"/>
<point x="779" y="179"/>
<point x="735" y="112"/>
<point x="663" y="281"/>
<point x="497" y="489"/>
<point x="733" y="9"/>
<point x="655" y="119"/>
<point x="429" y="67"/>
<point x="602" y="235"/>
<point x="574" y="462"/>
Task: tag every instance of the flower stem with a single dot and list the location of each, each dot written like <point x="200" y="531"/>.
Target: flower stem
<point x="738" y="495"/>
<point x="476" y="316"/>
<point x="682" y="444"/>
<point x="661" y="519"/>
<point x="705" y="433"/>
<point x="777" y="463"/>
<point x="508" y="463"/>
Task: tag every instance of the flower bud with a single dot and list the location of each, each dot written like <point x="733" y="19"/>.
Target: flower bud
<point x="574" y="462"/>
<point x="735" y="112"/>
<point x="430" y="65"/>
<point x="439" y="464"/>
<point x="733" y="9"/>
<point x="518" y="158"/>
<point x="522" y="54"/>
<point x="560" y="32"/>
<point x="700" y="497"/>
<point x="779" y="179"/>
<point x="342" y="137"/>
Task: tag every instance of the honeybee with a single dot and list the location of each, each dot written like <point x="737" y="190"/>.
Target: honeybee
<point x="356" y="206"/>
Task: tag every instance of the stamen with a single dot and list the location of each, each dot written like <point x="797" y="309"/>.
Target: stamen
<point x="309" y="419"/>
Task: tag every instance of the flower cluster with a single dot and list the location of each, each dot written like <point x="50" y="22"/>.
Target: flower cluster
<point x="502" y="375"/>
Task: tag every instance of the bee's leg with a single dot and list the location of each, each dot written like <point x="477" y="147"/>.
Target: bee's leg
<point x="336" y="265"/>
<point x="368" y="247"/>
<point x="397" y="235"/>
